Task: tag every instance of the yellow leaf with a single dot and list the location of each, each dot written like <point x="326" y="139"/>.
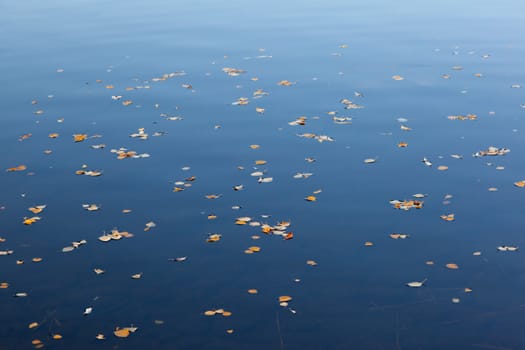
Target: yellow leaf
<point x="214" y="238"/>
<point x="285" y="83"/>
<point x="520" y="184"/>
<point x="29" y="221"/>
<point x="285" y="298"/>
<point x="449" y="217"/>
<point x="122" y="332"/>
<point x="79" y="137"/>
<point x="17" y="168"/>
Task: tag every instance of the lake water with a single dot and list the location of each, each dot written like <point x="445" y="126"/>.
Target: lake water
<point x="452" y="58"/>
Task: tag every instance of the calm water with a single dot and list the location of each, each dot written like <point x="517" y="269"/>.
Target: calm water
<point x="63" y="55"/>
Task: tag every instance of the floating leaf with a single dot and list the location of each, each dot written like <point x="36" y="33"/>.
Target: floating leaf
<point x="137" y="276"/>
<point x="520" y="184"/>
<point x="406" y="204"/>
<point x="37" y="209"/>
<point x="265" y="179"/>
<point x="452" y="266"/>
<point x="448" y="217"/>
<point x="17" y="168"/>
<point x="105" y="238"/>
<point x="68" y="249"/>
<point x="79" y="137"/>
<point x="30" y="221"/>
<point x="506" y="248"/>
<point x="285" y="298"/>
<point x="492" y="151"/>
<point x="179" y="259"/>
<point x="215" y="237"/>
<point x="416" y="284"/>
<point x="149" y="226"/>
<point x="122" y="332"/>
<point x="398" y="236"/>
<point x="213" y="196"/>
<point x="90" y="207"/>
<point x="285" y="83"/>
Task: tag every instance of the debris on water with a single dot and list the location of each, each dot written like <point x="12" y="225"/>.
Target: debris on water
<point x="492" y="151"/>
<point x="416" y="284"/>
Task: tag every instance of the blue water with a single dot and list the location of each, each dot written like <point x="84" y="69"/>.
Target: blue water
<point x="63" y="54"/>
